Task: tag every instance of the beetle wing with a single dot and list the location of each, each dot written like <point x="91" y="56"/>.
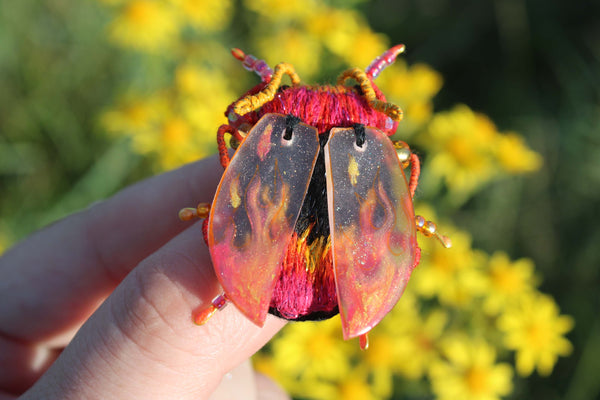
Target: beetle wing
<point x="255" y="209"/>
<point x="373" y="232"/>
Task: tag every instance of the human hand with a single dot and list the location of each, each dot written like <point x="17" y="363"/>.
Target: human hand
<point x="98" y="305"/>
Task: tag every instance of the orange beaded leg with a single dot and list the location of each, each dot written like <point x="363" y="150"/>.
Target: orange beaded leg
<point x="429" y="229"/>
<point x="408" y="158"/>
<point x="363" y="341"/>
<point x="415" y="171"/>
<point x="201" y="211"/>
<point x="189" y="213"/>
<point x="236" y="139"/>
<point x="202" y="316"/>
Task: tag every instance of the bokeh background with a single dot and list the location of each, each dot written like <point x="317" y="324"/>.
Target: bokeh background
<point x="502" y="104"/>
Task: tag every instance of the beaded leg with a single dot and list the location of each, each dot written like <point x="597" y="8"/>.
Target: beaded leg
<point x="187" y="214"/>
<point x="202" y="316"/>
<point x="408" y="158"/>
<point x="415" y="171"/>
<point x="190" y="213"/>
<point x="236" y="139"/>
<point x="363" y="341"/>
<point x="429" y="229"/>
<point x="201" y="211"/>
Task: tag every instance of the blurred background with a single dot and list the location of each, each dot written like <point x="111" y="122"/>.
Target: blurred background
<point x="502" y="104"/>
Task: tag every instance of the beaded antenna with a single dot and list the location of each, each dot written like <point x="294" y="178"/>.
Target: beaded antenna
<point x="313" y="215"/>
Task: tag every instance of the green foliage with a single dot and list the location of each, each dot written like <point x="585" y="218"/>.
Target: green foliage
<point x="56" y="74"/>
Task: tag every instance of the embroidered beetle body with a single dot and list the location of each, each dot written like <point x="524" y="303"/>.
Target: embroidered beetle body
<point x="313" y="215"/>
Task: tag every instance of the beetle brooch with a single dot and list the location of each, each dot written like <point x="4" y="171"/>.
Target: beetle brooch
<point x="313" y="215"/>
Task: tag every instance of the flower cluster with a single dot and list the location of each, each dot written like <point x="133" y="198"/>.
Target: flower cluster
<point x="175" y="124"/>
<point x="468" y="320"/>
<point x="467" y="150"/>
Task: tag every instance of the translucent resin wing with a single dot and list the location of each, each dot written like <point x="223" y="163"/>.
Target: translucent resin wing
<point x="372" y="227"/>
<point x="255" y="209"/>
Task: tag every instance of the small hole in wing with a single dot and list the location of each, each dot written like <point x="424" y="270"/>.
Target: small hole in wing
<point x="290" y="123"/>
<point x="359" y="131"/>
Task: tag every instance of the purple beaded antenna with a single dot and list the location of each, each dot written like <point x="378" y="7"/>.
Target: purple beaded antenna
<point x="381" y="62"/>
<point x="251" y="63"/>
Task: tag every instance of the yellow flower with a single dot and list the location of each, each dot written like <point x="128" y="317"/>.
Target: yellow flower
<point x="514" y="156"/>
<point x="405" y="342"/>
<point x="135" y="114"/>
<point x="209" y="15"/>
<point x="175" y="143"/>
<point x="147" y="25"/>
<point x="204" y="95"/>
<point x="312" y="350"/>
<point x="302" y="44"/>
<point x="354" y="386"/>
<point x="277" y="9"/>
<point x="467" y="150"/>
<point x="380" y="358"/>
<point x="461" y="144"/>
<point x="340" y="40"/>
<point x="418" y="344"/>
<point x="157" y="126"/>
<point x="453" y="275"/>
<point x="177" y="125"/>
<point x="189" y="79"/>
<point x="204" y="84"/>
<point x="295" y="47"/>
<point x="412" y="88"/>
<point x="507" y="282"/>
<point x="387" y="353"/>
<point x="534" y="329"/>
<point x="471" y="372"/>
<point x="425" y="82"/>
<point x="366" y="46"/>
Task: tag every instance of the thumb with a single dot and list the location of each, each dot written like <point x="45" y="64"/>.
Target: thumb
<point x="142" y="343"/>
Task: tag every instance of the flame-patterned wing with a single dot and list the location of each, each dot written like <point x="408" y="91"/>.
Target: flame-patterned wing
<point x="372" y="227"/>
<point x="255" y="210"/>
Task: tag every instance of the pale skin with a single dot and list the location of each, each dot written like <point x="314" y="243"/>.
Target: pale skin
<point x="99" y="304"/>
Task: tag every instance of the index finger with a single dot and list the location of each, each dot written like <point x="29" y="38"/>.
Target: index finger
<point x="51" y="282"/>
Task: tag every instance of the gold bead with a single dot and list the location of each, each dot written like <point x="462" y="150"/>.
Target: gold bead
<point x="430" y="228"/>
<point x="420" y="221"/>
<point x="187" y="214"/>
<point x="203" y="210"/>
<point x="403" y="155"/>
<point x="234" y="143"/>
<point x="403" y="152"/>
